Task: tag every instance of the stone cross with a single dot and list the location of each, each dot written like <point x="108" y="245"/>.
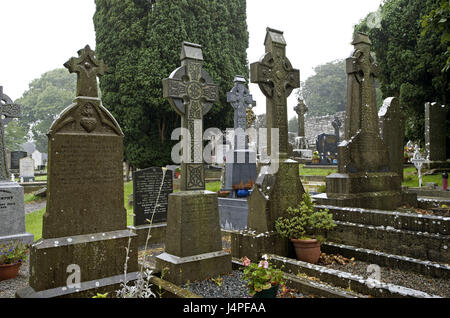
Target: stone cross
<point x="336" y="125"/>
<point x="87" y="68"/>
<point x="361" y="64"/>
<point x="191" y="92"/>
<point x="240" y="98"/>
<point x="418" y="162"/>
<point x="276" y="78"/>
<point x="301" y="110"/>
<point x="8" y="111"/>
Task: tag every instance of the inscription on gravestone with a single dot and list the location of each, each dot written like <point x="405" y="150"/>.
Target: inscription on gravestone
<point x="151" y="189"/>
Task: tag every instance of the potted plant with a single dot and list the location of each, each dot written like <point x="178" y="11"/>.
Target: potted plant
<point x="11" y="257"/>
<point x="263" y="279"/>
<point x="315" y="157"/>
<point x="177" y="173"/>
<point x="304" y="227"/>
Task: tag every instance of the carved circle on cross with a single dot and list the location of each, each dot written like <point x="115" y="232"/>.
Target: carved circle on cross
<point x="194" y="90"/>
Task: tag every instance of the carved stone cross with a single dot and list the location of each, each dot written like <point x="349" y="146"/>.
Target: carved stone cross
<point x="87" y="68"/>
<point x="336" y="123"/>
<point x="361" y="64"/>
<point x="8" y="111"/>
<point x="301" y="110"/>
<point x="418" y="162"/>
<point x="191" y="92"/>
<point x="240" y="98"/>
<point x="276" y="78"/>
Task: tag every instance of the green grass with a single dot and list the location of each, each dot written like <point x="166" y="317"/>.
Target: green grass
<point x="411" y="179"/>
<point x="33" y="221"/>
<point x="316" y="171"/>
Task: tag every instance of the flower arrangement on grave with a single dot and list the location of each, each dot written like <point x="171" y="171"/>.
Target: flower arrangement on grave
<point x="263" y="278"/>
<point x="315" y="155"/>
<point x="12" y="255"/>
<point x="305" y="228"/>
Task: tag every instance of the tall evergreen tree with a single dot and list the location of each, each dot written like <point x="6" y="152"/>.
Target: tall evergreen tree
<point x="140" y="41"/>
<point x="410" y="64"/>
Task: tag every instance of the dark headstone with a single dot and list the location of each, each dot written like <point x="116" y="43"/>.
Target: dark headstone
<point x="85" y="222"/>
<point x="435" y="131"/>
<point x="327" y="147"/>
<point x="15" y="159"/>
<point x="151" y="189"/>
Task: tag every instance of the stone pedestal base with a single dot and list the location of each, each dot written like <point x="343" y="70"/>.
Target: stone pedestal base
<point x="100" y="259"/>
<point x="193" y="244"/>
<point x="254" y="245"/>
<point x="180" y="270"/>
<point x="372" y="190"/>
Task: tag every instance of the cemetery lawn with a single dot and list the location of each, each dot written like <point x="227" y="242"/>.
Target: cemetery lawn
<point x="33" y="221"/>
<point x="316" y="171"/>
<point x="411" y="179"/>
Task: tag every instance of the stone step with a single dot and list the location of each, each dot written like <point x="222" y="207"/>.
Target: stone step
<point x="420" y="245"/>
<point x="427" y="268"/>
<point x="354" y="283"/>
<point x="391" y="219"/>
<point x="312" y="287"/>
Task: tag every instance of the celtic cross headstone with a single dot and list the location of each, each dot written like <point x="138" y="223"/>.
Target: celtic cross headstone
<point x="276" y="78"/>
<point x="336" y="123"/>
<point x="418" y="162"/>
<point x="191" y="92"/>
<point x="301" y="110"/>
<point x="8" y="111"/>
<point x="240" y="98"/>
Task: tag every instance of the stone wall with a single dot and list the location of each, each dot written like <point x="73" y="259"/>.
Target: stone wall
<point x="315" y="126"/>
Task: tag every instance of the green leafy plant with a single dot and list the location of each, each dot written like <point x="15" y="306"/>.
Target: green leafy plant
<point x="315" y="155"/>
<point x="105" y="295"/>
<point x="261" y="276"/>
<point x="303" y="222"/>
<point x="13" y="253"/>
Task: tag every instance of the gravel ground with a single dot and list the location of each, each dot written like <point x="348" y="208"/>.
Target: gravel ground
<point x="430" y="285"/>
<point x="232" y="286"/>
<point x="9" y="287"/>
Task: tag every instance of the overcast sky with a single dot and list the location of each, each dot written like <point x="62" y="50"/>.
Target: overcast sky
<point x="40" y="35"/>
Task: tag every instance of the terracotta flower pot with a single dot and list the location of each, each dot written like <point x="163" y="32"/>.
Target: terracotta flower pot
<point x="307" y="250"/>
<point x="9" y="271"/>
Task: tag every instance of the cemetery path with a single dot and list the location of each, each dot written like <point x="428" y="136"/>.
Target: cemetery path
<point x="34" y="206"/>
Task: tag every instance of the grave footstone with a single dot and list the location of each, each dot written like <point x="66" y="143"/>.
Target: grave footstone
<point x="278" y="184"/>
<point x="85" y="224"/>
<point x="26" y="169"/>
<point x="365" y="178"/>
<point x="193" y="245"/>
<point x="392" y="125"/>
<point x="12" y="209"/>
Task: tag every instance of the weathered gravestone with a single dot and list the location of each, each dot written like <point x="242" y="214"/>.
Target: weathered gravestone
<point x="435" y="135"/>
<point x="151" y="189"/>
<point x="365" y="178"/>
<point x="392" y="125"/>
<point x="337" y="124"/>
<point x="193" y="245"/>
<point x="15" y="159"/>
<point x="240" y="166"/>
<point x="85" y="224"/>
<point x="26" y="169"/>
<point x="278" y="185"/>
<point x="301" y="110"/>
<point x="12" y="210"/>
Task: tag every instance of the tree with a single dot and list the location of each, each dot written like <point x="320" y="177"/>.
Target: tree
<point x="15" y="135"/>
<point x="410" y="65"/>
<point x="140" y="41"/>
<point x="45" y="98"/>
